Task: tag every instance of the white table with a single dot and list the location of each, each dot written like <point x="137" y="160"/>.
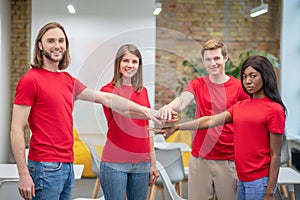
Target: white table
<point x="288" y="176"/>
<point x="78" y="169"/>
<point x="10" y="171"/>
<point x="184" y="147"/>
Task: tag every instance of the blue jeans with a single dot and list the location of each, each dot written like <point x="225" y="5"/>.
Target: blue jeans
<point x="119" y="178"/>
<point x="52" y="180"/>
<point x="254" y="190"/>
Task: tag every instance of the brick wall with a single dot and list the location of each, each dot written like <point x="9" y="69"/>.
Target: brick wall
<point x="20" y="43"/>
<point x="183" y="23"/>
<point x="20" y="40"/>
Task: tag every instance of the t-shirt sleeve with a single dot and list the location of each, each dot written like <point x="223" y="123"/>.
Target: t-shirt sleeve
<point x="230" y="109"/>
<point x="234" y="106"/>
<point x="78" y="87"/>
<point x="26" y="91"/>
<point x="109" y="88"/>
<point x="276" y="121"/>
<point x="146" y="96"/>
<point x="190" y="87"/>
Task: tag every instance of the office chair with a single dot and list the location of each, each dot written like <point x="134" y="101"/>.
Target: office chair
<point x="171" y="159"/>
<point x="159" y="138"/>
<point x="9" y="189"/>
<point x="285" y="161"/>
<point x="170" y="193"/>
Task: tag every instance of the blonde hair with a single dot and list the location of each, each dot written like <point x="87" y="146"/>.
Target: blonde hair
<point x="213" y="45"/>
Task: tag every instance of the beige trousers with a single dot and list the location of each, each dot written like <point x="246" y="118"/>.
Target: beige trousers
<point x="208" y="178"/>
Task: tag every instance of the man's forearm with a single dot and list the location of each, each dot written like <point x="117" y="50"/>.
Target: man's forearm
<point x="121" y="104"/>
<point x="140" y="115"/>
<point x="18" y="148"/>
<point x="175" y="105"/>
<point x="115" y="102"/>
<point x="18" y="124"/>
<point x="181" y="102"/>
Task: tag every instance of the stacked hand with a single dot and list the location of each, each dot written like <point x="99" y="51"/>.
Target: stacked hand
<point x="161" y="117"/>
<point x="165" y="131"/>
<point x="168" y="119"/>
<point x="167" y="113"/>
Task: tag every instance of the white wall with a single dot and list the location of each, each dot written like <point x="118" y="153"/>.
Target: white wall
<point x="4" y="80"/>
<point x="290" y="64"/>
<point x="96" y="31"/>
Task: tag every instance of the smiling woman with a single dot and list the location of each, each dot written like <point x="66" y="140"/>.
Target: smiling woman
<point x="127" y="164"/>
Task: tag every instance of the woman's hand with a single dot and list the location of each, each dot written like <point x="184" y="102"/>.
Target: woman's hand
<point x="269" y="196"/>
<point x="165" y="131"/>
<point x="153" y="174"/>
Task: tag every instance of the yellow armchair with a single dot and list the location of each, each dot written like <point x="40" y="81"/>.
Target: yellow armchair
<point x="82" y="155"/>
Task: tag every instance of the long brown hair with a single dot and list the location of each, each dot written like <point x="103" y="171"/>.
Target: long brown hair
<point x="38" y="54"/>
<point x="137" y="79"/>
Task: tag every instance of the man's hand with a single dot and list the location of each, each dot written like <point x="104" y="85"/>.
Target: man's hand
<point x="155" y="116"/>
<point x="26" y="187"/>
<point x="166" y="113"/>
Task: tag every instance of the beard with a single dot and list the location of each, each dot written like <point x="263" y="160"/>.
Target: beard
<point x="49" y="57"/>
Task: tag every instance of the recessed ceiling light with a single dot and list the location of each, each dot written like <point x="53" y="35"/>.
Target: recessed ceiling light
<point x="71" y="9"/>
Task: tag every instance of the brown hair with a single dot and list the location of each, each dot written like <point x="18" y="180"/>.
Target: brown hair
<point x="213" y="45"/>
<point x="137" y="79"/>
<point x="38" y="55"/>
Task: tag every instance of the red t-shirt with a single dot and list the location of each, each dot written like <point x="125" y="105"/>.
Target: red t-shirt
<point x="214" y="143"/>
<point x="127" y="139"/>
<point x="254" y="120"/>
<point x="51" y="96"/>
